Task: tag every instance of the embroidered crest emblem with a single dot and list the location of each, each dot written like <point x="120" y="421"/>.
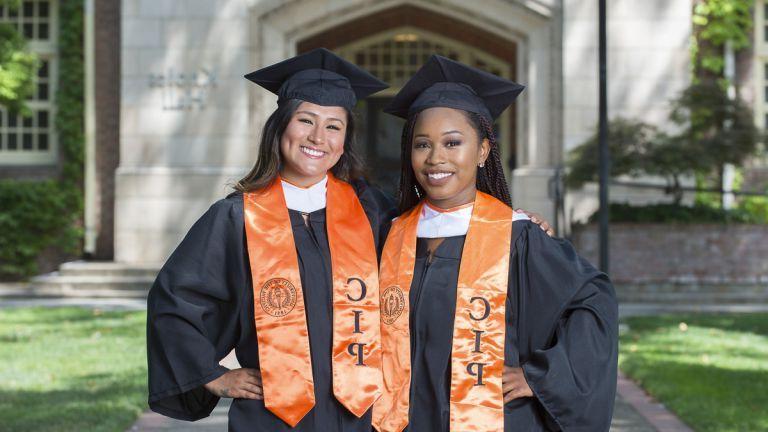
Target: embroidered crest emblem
<point x="392" y="304"/>
<point x="278" y="297"/>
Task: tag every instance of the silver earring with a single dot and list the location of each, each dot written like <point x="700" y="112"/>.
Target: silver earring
<point x="416" y="189"/>
<point x="481" y="164"/>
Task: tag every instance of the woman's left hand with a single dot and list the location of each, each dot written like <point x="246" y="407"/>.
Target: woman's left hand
<point x="513" y="384"/>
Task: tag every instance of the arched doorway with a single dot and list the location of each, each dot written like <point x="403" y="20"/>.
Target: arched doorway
<point x="393" y="44"/>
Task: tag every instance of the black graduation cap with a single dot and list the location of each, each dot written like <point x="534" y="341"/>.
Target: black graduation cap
<point x="318" y="76"/>
<point x="443" y="82"/>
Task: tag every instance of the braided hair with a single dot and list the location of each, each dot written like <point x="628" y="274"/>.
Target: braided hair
<point x="490" y="177"/>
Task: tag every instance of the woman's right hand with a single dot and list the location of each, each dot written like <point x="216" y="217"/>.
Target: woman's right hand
<point x="241" y="383"/>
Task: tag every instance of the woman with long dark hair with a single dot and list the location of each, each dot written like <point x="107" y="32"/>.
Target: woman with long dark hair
<point x="284" y="271"/>
<point x="488" y="324"/>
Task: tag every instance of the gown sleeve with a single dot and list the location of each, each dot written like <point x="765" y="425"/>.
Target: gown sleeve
<point x="193" y="310"/>
<point x="569" y="324"/>
<point x="379" y="208"/>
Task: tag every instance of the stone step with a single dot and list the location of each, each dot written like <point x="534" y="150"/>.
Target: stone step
<point x="693" y="287"/>
<point x="105" y="268"/>
<point x="692" y="293"/>
<point x="693" y="298"/>
<point x="58" y="285"/>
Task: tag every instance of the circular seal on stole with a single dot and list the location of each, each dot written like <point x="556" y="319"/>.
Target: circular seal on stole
<point x="278" y="297"/>
<point x="392" y="304"/>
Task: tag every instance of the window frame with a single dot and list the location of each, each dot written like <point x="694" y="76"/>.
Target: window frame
<point x="47" y="50"/>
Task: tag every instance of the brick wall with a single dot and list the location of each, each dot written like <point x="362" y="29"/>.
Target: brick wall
<point x="681" y="254"/>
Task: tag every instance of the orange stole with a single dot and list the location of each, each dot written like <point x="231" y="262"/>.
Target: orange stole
<point x="477" y="360"/>
<point x="279" y="309"/>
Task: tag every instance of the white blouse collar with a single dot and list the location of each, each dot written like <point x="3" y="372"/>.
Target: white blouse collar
<point x="438" y="223"/>
<point x="305" y="200"/>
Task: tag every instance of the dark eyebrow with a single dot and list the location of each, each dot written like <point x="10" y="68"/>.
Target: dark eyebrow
<point x="444" y="133"/>
<point x="310" y="113"/>
<point x="452" y="131"/>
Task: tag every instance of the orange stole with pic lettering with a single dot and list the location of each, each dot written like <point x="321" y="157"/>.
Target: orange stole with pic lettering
<point x="279" y="309"/>
<point x="477" y="359"/>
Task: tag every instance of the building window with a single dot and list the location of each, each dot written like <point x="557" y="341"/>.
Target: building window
<point x="395" y="55"/>
<point x="32" y="19"/>
<point x="765" y="25"/>
<point x="31" y="140"/>
<point x="765" y="90"/>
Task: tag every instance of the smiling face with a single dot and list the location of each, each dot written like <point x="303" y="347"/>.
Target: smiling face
<point x="445" y="154"/>
<point x="312" y="143"/>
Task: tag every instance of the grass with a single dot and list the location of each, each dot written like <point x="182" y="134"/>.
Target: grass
<point x="711" y="370"/>
<point x="71" y="369"/>
<point x="76" y="369"/>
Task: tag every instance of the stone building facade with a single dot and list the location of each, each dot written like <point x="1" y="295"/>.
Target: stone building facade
<point x="189" y="123"/>
<point x="174" y="124"/>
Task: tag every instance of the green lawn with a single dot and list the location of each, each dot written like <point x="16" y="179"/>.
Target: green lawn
<point x="711" y="370"/>
<point x="75" y="369"/>
<point x="71" y="369"/>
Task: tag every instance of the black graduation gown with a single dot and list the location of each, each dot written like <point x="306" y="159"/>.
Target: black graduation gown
<point x="562" y="327"/>
<point x="201" y="307"/>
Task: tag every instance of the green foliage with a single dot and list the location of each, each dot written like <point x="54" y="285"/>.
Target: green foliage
<point x="756" y="207"/>
<point x="711" y="370"/>
<point x="716" y="128"/>
<point x="71" y="369"/>
<point x="719" y="21"/>
<point x="630" y="143"/>
<point x="70" y="122"/>
<point x="36" y="215"/>
<point x="17" y="69"/>
<point x="725" y="20"/>
<point x="754" y="213"/>
<point x="713" y="129"/>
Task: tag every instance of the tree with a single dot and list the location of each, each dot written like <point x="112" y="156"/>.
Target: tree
<point x="629" y="142"/>
<point x="17" y="66"/>
<point x="715" y="23"/>
<point x="716" y="129"/>
<point x="701" y="147"/>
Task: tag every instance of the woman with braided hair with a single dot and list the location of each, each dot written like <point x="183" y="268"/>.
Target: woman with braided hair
<point x="490" y="324"/>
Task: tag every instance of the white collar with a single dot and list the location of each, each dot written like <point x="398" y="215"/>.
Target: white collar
<point x="438" y="223"/>
<point x="305" y="200"/>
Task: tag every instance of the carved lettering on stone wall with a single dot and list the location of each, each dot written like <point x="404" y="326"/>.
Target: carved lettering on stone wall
<point x="184" y="91"/>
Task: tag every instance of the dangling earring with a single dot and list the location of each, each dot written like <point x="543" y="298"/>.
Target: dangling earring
<point x="416" y="189"/>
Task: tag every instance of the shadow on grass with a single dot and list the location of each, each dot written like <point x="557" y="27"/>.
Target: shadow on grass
<point x="96" y="402"/>
<point x="756" y="323"/>
<point x="58" y="315"/>
<point x="26" y="325"/>
<point x="707" y="397"/>
<point x="684" y="354"/>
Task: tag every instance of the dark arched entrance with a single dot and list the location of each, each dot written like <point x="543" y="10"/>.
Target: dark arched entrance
<point x="393" y="44"/>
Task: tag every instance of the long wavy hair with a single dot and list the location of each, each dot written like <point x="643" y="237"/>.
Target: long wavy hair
<point x="490" y="178"/>
<point x="269" y="160"/>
